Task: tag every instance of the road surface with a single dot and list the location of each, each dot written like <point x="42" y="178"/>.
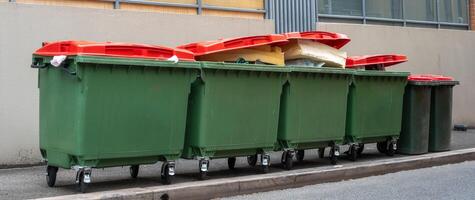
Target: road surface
<point x="456" y="181"/>
<point x="29" y="182"/>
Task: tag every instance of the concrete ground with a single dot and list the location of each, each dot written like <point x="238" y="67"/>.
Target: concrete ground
<point x="24" y="183"/>
<point x="453" y="181"/>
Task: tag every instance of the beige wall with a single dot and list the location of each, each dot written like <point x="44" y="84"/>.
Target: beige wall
<point x="249" y="4"/>
<point x="438" y="51"/>
<point x="24" y="27"/>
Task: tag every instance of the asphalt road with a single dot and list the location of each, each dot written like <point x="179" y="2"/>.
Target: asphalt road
<point x="29" y="182"/>
<point x="454" y="181"/>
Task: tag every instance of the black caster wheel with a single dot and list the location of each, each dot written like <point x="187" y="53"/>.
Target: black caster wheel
<point x="321" y="152"/>
<point x="288" y="160"/>
<point x="51" y="175"/>
<point x="82" y="185"/>
<point x="204" y="166"/>
<point x="352" y="152"/>
<point x="265" y="163"/>
<point x="333" y="159"/>
<point x="333" y="155"/>
<point x="166" y="177"/>
<point x="232" y="163"/>
<point x="360" y="149"/>
<point x="252" y="160"/>
<point x="382" y="147"/>
<point x="134" y="171"/>
<point x="300" y="155"/>
<point x="391" y="149"/>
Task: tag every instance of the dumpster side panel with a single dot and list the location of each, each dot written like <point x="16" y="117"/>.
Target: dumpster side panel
<point x="375" y="107"/>
<point x="313" y="110"/>
<point x="235" y="113"/>
<point x="60" y="106"/>
<point x="134" y="111"/>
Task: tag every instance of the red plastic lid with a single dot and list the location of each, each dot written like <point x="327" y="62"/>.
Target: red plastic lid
<point x="415" y="77"/>
<point x="208" y="47"/>
<point x="438" y="77"/>
<point x="112" y="49"/>
<point x="335" y="40"/>
<point x="429" y="77"/>
<point x="385" y="60"/>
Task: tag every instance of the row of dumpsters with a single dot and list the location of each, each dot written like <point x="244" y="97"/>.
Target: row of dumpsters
<point x="116" y="104"/>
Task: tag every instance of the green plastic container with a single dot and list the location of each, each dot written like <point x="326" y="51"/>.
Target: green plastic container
<point x="233" y="111"/>
<point x="375" y="110"/>
<point x="98" y="112"/>
<point x="313" y="110"/>
<point x="414" y="138"/>
<point x="441" y="116"/>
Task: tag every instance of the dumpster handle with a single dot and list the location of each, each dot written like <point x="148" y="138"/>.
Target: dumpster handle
<point x="65" y="69"/>
<point x="37" y="65"/>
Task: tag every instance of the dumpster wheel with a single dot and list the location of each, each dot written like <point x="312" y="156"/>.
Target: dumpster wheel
<point x="252" y="160"/>
<point x="352" y="152"/>
<point x="51" y="173"/>
<point x="391" y="149"/>
<point x="166" y="176"/>
<point x="82" y="185"/>
<point x="300" y="155"/>
<point x="204" y="166"/>
<point x="83" y="177"/>
<point x="287" y="158"/>
<point x="382" y="146"/>
<point x="265" y="163"/>
<point x="134" y="171"/>
<point x="232" y="163"/>
<point x="334" y="152"/>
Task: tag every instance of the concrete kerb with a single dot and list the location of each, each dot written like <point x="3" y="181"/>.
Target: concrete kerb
<point x="289" y="179"/>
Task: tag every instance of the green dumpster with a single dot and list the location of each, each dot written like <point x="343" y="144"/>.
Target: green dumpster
<point x="441" y="114"/>
<point x="414" y="138"/>
<point x="312" y="111"/>
<point x="374" y="110"/>
<point x="233" y="111"/>
<point x="99" y="109"/>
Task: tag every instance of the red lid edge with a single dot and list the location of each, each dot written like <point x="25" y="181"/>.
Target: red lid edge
<point x="429" y="77"/>
<point x="209" y="47"/>
<point x="110" y="49"/>
<point x="335" y="40"/>
<point x="438" y="77"/>
<point x="385" y="60"/>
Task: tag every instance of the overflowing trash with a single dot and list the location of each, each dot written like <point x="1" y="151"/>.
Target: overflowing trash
<point x="261" y="49"/>
<point x="315" y="49"/>
<point x="307" y="51"/>
<point x="265" y="54"/>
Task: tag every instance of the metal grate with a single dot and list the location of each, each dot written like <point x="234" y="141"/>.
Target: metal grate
<point x="292" y="15"/>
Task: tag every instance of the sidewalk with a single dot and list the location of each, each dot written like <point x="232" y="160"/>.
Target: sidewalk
<point x="25" y="183"/>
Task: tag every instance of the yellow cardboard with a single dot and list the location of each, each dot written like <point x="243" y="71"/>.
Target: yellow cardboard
<point x="266" y="54"/>
<point x="307" y="49"/>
